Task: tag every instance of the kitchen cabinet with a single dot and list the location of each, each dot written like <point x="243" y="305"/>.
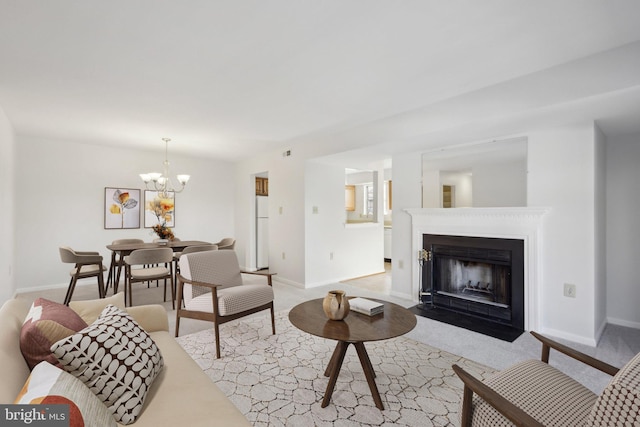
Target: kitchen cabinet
<point x="262" y="186"/>
<point x="350" y="198"/>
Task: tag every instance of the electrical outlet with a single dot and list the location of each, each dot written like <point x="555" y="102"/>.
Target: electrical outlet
<point x="569" y="290"/>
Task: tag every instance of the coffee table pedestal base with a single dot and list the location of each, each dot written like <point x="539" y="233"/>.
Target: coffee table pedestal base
<point x="333" y="370"/>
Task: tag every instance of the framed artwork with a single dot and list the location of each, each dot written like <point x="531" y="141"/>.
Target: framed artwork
<point x="121" y="208"/>
<point x="159" y="210"/>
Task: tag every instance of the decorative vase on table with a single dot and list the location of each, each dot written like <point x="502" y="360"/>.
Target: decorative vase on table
<point x="336" y="305"/>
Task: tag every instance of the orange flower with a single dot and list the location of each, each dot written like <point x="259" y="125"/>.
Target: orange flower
<point x="123" y="197"/>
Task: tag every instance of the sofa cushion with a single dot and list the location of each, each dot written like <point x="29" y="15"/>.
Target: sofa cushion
<point x="89" y="310"/>
<point x="13" y="369"/>
<point x="48" y="384"/>
<point x="116" y="359"/>
<point x="46" y="323"/>
<point x="619" y="403"/>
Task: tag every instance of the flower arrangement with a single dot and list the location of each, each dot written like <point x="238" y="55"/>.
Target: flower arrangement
<point x="163" y="231"/>
<point x="162" y="208"/>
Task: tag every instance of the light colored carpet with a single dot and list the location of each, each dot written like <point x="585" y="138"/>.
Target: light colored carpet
<point x="278" y="380"/>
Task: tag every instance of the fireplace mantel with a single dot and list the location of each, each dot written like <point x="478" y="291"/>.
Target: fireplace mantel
<point x="508" y="223"/>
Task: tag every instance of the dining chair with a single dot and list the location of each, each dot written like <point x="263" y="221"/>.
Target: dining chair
<point x="162" y="261"/>
<point x="213" y="288"/>
<point x="226" y="243"/>
<point x="117" y="263"/>
<point x="87" y="264"/>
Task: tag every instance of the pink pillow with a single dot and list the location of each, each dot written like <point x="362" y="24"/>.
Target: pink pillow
<point x="47" y="323"/>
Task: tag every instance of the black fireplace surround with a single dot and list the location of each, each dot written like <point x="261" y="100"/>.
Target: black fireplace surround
<point x="475" y="276"/>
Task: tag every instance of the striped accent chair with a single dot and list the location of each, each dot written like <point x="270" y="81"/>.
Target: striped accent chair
<point x="212" y="287"/>
<point x="532" y="393"/>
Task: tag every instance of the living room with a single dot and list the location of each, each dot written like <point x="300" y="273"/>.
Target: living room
<point x="576" y="107"/>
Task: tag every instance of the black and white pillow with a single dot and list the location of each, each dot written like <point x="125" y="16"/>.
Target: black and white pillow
<point x="115" y="358"/>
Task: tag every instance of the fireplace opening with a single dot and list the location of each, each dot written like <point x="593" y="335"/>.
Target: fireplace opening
<point x="476" y="277"/>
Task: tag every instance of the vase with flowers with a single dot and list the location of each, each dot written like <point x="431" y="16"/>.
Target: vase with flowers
<point x="164" y="233"/>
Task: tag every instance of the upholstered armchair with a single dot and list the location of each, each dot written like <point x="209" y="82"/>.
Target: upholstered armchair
<point x="533" y="393"/>
<point x="213" y="288"/>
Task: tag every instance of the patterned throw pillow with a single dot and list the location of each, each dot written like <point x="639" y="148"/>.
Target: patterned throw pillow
<point x="48" y="385"/>
<point x="47" y="323"/>
<point x="116" y="359"/>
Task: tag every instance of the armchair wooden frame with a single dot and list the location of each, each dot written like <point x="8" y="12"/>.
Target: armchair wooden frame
<point x="509" y="410"/>
<point x="215" y="316"/>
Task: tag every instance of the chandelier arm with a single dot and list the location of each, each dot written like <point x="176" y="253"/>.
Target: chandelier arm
<point x="163" y="184"/>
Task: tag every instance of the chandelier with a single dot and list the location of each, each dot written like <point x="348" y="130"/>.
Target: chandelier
<point x="161" y="182"/>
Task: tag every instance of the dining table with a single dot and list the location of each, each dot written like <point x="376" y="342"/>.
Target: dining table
<point x="121" y="250"/>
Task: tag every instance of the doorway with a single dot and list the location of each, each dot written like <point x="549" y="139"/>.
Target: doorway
<point x="261" y="244"/>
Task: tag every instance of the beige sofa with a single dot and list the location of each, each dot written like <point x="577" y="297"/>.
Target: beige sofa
<point x="182" y="394"/>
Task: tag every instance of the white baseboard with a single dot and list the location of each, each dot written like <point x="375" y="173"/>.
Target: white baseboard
<point x="402" y="295"/>
<point x="592" y="342"/>
<point x="282" y="280"/>
<point x="621" y="322"/>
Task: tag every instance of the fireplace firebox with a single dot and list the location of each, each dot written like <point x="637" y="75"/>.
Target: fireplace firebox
<point x="475" y="276"/>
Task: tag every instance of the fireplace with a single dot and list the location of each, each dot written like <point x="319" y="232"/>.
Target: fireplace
<point x="475" y="276"/>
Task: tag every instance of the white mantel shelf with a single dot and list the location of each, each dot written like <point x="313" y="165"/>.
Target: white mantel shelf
<point x="523" y="223"/>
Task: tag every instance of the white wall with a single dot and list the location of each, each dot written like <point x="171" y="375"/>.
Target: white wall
<point x="335" y="251"/>
<point x="407" y="191"/>
<point x="600" y="206"/>
<point x="59" y="199"/>
<point x="623" y="232"/>
<point x="561" y="164"/>
<point x="7" y="212"/>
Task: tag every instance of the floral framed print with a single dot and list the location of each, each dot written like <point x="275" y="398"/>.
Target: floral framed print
<point x="121" y="208"/>
<point x="159" y="209"/>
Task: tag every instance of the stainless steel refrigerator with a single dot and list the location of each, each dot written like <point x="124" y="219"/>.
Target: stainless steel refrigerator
<point x="262" y="232"/>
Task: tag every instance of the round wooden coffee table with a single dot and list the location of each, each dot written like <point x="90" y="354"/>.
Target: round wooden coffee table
<point x="355" y="329"/>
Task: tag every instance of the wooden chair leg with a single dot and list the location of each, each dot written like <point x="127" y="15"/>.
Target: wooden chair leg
<point x="217" y="331"/>
<point x="69" y="294"/>
<point x="179" y="307"/>
<point x="173" y="290"/>
<point x="273" y="321"/>
<point x="467" y="397"/>
<point x="101" y="289"/>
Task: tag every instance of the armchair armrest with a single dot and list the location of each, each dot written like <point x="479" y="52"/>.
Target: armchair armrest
<point x="548" y="344"/>
<point x="87" y="253"/>
<point x="89" y="259"/>
<point x="182" y="279"/>
<point x="257" y="273"/>
<point x="493" y="398"/>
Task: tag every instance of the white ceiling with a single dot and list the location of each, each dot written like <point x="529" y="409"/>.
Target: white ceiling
<point x="230" y="78"/>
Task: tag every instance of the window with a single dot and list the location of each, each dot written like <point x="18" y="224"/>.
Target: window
<point x="369" y="199"/>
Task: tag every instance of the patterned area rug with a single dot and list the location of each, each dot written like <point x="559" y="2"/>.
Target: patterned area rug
<point x="278" y="380"/>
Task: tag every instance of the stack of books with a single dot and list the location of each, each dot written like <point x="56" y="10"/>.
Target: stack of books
<point x="365" y="306"/>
